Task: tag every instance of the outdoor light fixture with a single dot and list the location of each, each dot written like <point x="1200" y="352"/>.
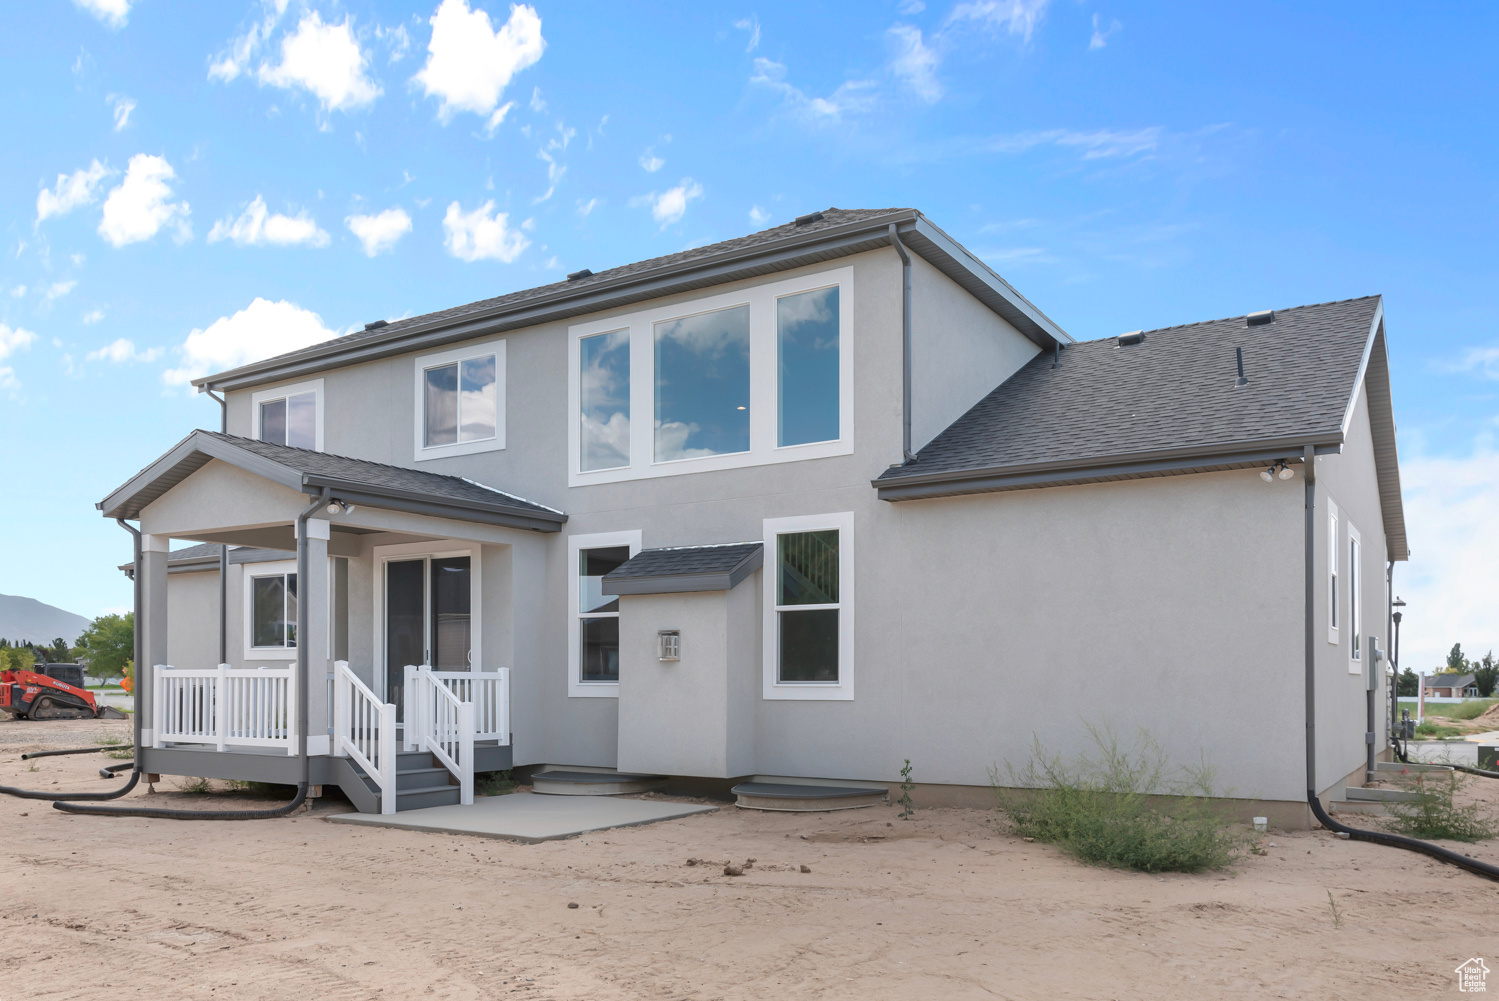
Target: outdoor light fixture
<point x="339" y="507"/>
<point x="1278" y="471"/>
<point x="669" y="645"/>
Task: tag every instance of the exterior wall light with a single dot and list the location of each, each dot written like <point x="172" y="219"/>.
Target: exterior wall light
<point x="669" y="645"/>
<point x="339" y="507"/>
<point x="1279" y="471"/>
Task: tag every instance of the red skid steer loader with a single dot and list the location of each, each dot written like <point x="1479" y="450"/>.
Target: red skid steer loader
<point x="58" y="694"/>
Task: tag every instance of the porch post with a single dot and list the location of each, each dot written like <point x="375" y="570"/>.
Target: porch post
<point x="315" y="634"/>
<point x="152" y="626"/>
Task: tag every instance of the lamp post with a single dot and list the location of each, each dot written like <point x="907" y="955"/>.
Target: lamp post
<point x="1397" y="604"/>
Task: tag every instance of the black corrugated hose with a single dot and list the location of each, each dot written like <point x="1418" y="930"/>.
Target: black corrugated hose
<point x="1400" y="841"/>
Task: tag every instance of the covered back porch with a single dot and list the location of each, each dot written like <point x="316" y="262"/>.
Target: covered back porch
<point x="362" y="632"/>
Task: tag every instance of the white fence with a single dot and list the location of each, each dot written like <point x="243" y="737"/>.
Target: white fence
<point x="439" y="722"/>
<point x="225" y="706"/>
<point x="364" y="729"/>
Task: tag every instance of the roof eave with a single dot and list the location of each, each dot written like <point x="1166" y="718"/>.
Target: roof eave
<point x="395" y="499"/>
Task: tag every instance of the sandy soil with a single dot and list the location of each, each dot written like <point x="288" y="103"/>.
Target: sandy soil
<point x="942" y="906"/>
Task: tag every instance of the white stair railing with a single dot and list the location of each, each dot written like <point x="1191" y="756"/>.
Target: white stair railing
<point x="439" y="722"/>
<point x="489" y="691"/>
<point x="364" y="730"/>
<point x="225" y="706"/>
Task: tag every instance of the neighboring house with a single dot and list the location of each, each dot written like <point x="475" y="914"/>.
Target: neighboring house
<point x="1451" y="686"/>
<point x="801" y="504"/>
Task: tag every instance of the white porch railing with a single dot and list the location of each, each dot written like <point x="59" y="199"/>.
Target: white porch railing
<point x="364" y="730"/>
<point x="225" y="706"/>
<point x="489" y="691"/>
<point x="439" y="721"/>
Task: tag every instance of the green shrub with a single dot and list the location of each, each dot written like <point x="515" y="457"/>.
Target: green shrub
<point x="1128" y="808"/>
<point x="1471" y="709"/>
<point x="1433" y="814"/>
<point x="1426" y="728"/>
<point x="494" y="783"/>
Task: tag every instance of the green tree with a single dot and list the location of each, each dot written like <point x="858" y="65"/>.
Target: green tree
<point x="1456" y="662"/>
<point x="1486" y="674"/>
<point x="16" y="658"/>
<point x="1408" y="686"/>
<point x="108" y="643"/>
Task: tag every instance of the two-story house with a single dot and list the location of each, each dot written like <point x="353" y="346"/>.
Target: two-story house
<point x="797" y="506"/>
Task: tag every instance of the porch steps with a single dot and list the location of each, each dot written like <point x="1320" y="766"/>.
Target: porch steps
<point x="797" y="795"/>
<point x="593" y="782"/>
<point x="420" y="782"/>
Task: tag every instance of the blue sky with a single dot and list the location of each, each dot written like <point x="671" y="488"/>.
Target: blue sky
<point x="189" y="186"/>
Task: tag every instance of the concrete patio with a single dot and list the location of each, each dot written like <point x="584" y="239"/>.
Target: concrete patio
<point x="529" y="818"/>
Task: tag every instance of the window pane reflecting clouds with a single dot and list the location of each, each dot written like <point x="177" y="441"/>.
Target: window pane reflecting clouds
<point x="301" y="420"/>
<point x="807" y="334"/>
<point x="604" y="394"/>
<point x="702" y="385"/>
<point x="442" y="405"/>
<point x="273" y="421"/>
<point x="476" y="407"/>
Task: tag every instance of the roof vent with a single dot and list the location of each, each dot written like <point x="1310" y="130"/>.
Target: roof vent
<point x="377" y="325"/>
<point x="1259" y="319"/>
<point x="1133" y="337"/>
<point x="808" y="219"/>
<point x="579" y="275"/>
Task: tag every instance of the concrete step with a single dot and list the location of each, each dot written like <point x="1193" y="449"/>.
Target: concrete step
<point x="1356" y="794"/>
<point x="1366" y="807"/>
<point x="1401" y="766"/>
<point x="437" y="795"/>
<point x="807" y="795"/>
<point x="582" y="782"/>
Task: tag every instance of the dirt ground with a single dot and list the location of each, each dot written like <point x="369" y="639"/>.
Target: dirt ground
<point x="942" y="906"/>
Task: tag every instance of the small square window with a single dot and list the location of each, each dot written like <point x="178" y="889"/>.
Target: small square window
<point x="291" y="419"/>
<point x="273" y="611"/>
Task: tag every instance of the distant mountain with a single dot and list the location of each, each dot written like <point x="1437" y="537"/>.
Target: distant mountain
<point x="29" y="619"/>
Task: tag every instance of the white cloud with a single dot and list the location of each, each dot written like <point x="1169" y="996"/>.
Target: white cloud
<point x="12" y="340"/>
<point x="650" y="162"/>
<point x="92" y="317"/>
<point x="122" y="107"/>
<point x="325" y="60"/>
<point x="260" y="330"/>
<point x="123" y="350"/>
<point x="555" y="171"/>
<point x="236" y="60"/>
<point x="141" y="205"/>
<point x="71" y="191"/>
<point x="751" y="25"/>
<point x="58" y="289"/>
<point x="584" y="208"/>
<point x="910" y="7"/>
<point x="469" y="64"/>
<point x="851" y="95"/>
<point x="1101" y="34"/>
<point x="255" y="227"/>
<point x="537" y="104"/>
<point x="914" y="61"/>
<point x="482" y="234"/>
<point x="18" y="292"/>
<point x="1019" y="17"/>
<point x="670" y="205"/>
<point x="379" y="233"/>
<point x="1483" y="361"/>
<point x="1096" y="145"/>
<point x="1452" y="511"/>
<point x="758" y="216"/>
<point x="112" y="12"/>
<point x="398" y="40"/>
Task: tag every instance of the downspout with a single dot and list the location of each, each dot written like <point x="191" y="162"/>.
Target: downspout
<point x="303" y="610"/>
<point x="223" y="403"/>
<point x="905" y="346"/>
<point x="1309" y="461"/>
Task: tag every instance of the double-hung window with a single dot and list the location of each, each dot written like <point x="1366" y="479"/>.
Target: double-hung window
<point x="290" y="415"/>
<point x="271" y="610"/>
<point x="1355" y="600"/>
<point x="460" y="401"/>
<point x="593" y="616"/>
<point x="1334" y="558"/>
<point x="744" y="378"/>
<point x="808" y="580"/>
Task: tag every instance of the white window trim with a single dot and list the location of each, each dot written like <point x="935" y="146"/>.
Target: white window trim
<point x="843" y="690"/>
<point x="251" y="571"/>
<point x="577" y="688"/>
<point x="1334" y="561"/>
<point x="315" y="386"/>
<point x="419" y="411"/>
<point x="764" y="383"/>
<point x="435" y="550"/>
<point x="1355" y="600"/>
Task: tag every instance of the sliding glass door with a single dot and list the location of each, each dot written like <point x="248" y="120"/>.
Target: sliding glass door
<point x="428" y="619"/>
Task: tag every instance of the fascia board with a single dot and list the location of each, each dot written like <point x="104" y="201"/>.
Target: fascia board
<point x="1363" y="366"/>
<point x="346" y="489"/>
<point x="455" y="511"/>
<point x="183" y="453"/>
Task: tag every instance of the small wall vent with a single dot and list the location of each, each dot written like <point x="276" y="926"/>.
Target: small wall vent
<point x="1133" y="337"/>
<point x="1259" y="319"/>
<point x="669" y="645"/>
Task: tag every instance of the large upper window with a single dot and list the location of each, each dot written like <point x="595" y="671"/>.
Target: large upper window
<point x="290" y="415"/>
<point x="808" y="640"/>
<point x="273" y="611"/>
<point x="460" y="401"/>
<point x="757" y="375"/>
<point x="604" y="400"/>
<point x="703" y="385"/>
<point x="807" y="364"/>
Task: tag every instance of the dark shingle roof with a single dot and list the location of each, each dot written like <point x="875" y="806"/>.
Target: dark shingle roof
<point x="358" y="481"/>
<point x="1449" y="680"/>
<point x="831" y="218"/>
<point x="1174" y="392"/>
<point x="689" y="568"/>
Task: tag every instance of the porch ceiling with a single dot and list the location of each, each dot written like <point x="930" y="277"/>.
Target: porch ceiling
<point x="354" y="481"/>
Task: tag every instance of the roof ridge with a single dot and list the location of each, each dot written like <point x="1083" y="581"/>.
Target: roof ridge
<point x="1240" y="316"/>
